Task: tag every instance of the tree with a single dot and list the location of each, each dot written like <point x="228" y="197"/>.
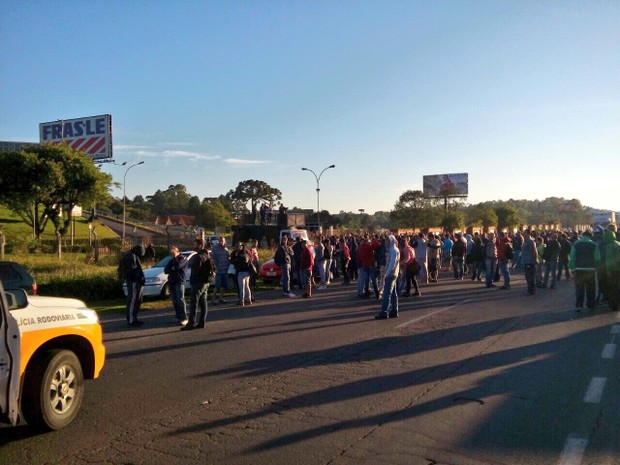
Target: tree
<point x="174" y="200"/>
<point x="481" y="215"/>
<point x="507" y="217"/>
<point x="254" y="191"/>
<point x="212" y="213"/>
<point x="453" y="221"/>
<point x="47" y="182"/>
<point x="412" y="210"/>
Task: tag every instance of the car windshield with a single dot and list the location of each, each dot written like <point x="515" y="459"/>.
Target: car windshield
<point x="163" y="262"/>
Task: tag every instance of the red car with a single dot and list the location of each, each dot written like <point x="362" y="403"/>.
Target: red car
<point x="269" y="271"/>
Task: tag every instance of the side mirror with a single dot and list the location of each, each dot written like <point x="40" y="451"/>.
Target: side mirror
<point x="16" y="298"/>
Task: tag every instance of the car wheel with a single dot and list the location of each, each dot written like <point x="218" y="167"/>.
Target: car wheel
<point x="53" y="390"/>
<point x="165" y="292"/>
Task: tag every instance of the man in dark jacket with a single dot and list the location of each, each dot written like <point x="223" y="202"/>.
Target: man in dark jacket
<point x="565" y="248"/>
<point x="200" y="277"/>
<point x="130" y="271"/>
<point x="176" y="269"/>
<point x="551" y="257"/>
<point x="283" y="258"/>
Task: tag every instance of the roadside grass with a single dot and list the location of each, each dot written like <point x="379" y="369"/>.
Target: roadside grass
<point x="73" y="275"/>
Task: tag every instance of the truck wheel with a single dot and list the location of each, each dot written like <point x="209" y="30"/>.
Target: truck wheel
<point x="53" y="390"/>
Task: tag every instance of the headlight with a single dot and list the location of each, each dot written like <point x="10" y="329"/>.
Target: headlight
<point x="155" y="280"/>
<point x="90" y="314"/>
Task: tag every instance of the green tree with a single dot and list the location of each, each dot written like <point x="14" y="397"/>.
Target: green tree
<point x="507" y="217"/>
<point x="413" y="210"/>
<point x="453" y="221"/>
<point x="254" y="191"/>
<point x="48" y="181"/>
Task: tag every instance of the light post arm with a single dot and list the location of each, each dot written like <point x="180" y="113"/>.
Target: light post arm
<point x="318" y="192"/>
<point x="124" y="201"/>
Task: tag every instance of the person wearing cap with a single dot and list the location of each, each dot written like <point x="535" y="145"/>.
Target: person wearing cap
<point x="584" y="257"/>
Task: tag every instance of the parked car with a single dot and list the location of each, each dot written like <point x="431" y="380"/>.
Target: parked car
<point x="156" y="281"/>
<point x="14" y="276"/>
<point x="48" y="347"/>
<point x="270" y="272"/>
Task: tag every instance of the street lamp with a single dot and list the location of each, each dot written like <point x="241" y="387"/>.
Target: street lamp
<point x="124" y="179"/>
<point x="318" y="190"/>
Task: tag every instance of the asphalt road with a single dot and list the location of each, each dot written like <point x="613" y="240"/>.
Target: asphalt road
<point x="466" y="375"/>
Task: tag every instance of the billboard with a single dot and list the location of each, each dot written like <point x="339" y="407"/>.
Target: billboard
<point x="446" y="185"/>
<point x="90" y="134"/>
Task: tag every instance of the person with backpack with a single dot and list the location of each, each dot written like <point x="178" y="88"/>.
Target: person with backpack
<point x="202" y="273"/>
<point x="176" y="269"/>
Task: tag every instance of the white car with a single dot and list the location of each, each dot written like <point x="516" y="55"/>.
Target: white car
<point x="156" y="281"/>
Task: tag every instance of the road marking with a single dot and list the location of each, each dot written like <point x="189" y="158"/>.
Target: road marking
<point x="595" y="391"/>
<point x="428" y="315"/>
<point x="609" y="351"/>
<point x="573" y="451"/>
<point x="615" y="329"/>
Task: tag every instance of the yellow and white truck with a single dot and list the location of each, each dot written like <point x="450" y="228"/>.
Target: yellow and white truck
<point x="48" y="346"/>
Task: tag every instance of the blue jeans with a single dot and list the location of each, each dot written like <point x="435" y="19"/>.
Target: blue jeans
<point x="177" y="295"/>
<point x="198" y="300"/>
<point x="457" y="266"/>
<point x="390" y="296"/>
<point x="371" y="276"/>
<point x="491" y="264"/>
<point x="551" y="266"/>
<point x="503" y="268"/>
<point x="286" y="279"/>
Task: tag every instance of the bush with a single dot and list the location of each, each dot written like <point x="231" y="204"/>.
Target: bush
<point x="100" y="286"/>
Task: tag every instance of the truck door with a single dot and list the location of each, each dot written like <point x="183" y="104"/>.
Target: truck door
<point x="9" y="361"/>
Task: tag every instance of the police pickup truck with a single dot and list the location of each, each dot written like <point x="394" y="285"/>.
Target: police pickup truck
<point x="48" y="346"/>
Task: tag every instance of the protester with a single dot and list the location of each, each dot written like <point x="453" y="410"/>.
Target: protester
<point x="529" y="261"/>
<point x="504" y="255"/>
<point x="552" y="255"/>
<point x="176" y="269"/>
<point x="490" y="257"/>
<point x="612" y="267"/>
<point x="202" y="272"/>
<point x="130" y="271"/>
<point x="306" y="264"/>
<point x="584" y="257"/>
<point x="221" y="258"/>
<point x="389" y="305"/>
<point x="458" y="252"/>
<point x="283" y="258"/>
<point x="241" y="261"/>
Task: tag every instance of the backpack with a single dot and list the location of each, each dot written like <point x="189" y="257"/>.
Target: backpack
<point x="202" y="267"/>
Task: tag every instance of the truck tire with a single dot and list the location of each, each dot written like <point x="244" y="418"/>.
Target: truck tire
<point x="53" y="390"/>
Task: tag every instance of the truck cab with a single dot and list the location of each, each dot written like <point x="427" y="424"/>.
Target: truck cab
<point x="48" y="347"/>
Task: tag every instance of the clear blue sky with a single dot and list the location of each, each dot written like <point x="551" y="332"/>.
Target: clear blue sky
<point x="524" y="95"/>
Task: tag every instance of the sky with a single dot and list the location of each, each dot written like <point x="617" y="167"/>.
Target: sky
<point x="524" y="96"/>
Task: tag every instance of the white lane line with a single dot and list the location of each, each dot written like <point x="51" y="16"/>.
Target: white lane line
<point x="615" y="329"/>
<point x="428" y="315"/>
<point x="574" y="449"/>
<point x="609" y="351"/>
<point x="595" y="391"/>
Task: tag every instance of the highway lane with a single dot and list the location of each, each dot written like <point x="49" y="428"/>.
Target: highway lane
<point x="466" y="375"/>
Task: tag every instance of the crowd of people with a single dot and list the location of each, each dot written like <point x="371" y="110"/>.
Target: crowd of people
<point x="388" y="266"/>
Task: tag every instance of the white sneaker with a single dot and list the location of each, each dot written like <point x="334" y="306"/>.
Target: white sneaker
<point x="290" y="294"/>
<point x="183" y="322"/>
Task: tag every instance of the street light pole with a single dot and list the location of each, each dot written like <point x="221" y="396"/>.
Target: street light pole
<point x="318" y="191"/>
<point x="124" y="181"/>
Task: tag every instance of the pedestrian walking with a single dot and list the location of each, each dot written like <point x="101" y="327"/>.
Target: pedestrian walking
<point x="389" y="304"/>
<point x="202" y="273"/>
